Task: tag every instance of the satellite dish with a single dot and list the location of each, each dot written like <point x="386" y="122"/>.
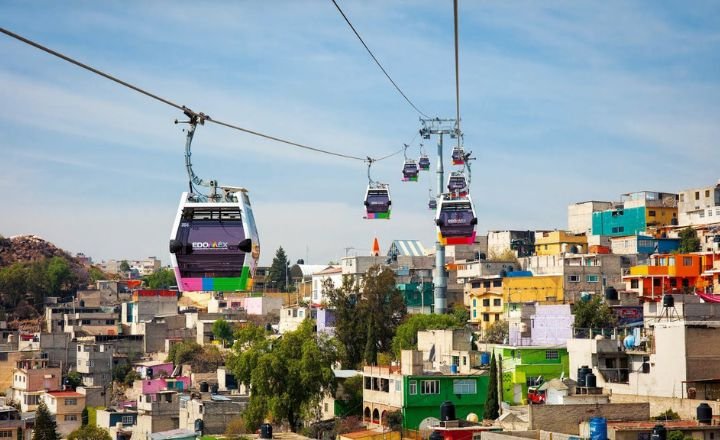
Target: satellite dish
<point x="427" y="426"/>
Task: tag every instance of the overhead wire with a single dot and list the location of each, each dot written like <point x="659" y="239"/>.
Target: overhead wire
<point x="202" y="117"/>
<point x="372" y="55"/>
<point x="457" y="70"/>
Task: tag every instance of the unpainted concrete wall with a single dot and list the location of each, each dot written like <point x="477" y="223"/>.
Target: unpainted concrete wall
<point x="567" y="418"/>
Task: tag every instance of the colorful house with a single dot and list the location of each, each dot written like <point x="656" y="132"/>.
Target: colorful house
<point x="524" y="366"/>
<point x="637" y="212"/>
<point x="668" y="273"/>
<point x="525" y="289"/>
<point x="486" y="302"/>
<point x="559" y="242"/>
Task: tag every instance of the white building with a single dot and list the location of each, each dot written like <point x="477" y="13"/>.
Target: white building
<point x="579" y="215"/>
<point x="699" y="206"/>
<point x="320" y="279"/>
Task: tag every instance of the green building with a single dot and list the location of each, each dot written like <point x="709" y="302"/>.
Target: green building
<point x="414" y="300"/>
<point x="523" y="366"/>
<point x="423" y="395"/>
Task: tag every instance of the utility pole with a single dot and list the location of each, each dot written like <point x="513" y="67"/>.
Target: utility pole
<point x="439" y="127"/>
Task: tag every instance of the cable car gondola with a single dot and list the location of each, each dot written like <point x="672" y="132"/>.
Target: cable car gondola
<point x="214" y="244"/>
<point x="424" y="162"/>
<point x="456" y="220"/>
<point x="458" y="156"/>
<point x="410" y="171"/>
<point x="377" y="201"/>
<point x="457" y="184"/>
<point x="432" y="201"/>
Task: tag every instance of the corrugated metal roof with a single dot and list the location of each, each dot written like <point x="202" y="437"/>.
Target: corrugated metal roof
<point x="407" y="248"/>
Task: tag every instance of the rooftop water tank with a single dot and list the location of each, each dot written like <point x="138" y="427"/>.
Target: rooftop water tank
<point x="266" y="431"/>
<point x="659" y="433"/>
<point x="591" y="380"/>
<point x="704" y="413"/>
<point x="485" y="358"/>
<point x="629" y="341"/>
<point x="598" y="428"/>
<point x="447" y="411"/>
<point x="668" y="301"/>
<point x="611" y="293"/>
<point x="204" y="387"/>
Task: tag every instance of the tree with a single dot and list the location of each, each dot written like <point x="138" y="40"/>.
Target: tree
<point x="13" y="283"/>
<point x="160" y="279"/>
<point x="497" y="332"/>
<point x="74" y="379"/>
<point x="689" y="241"/>
<point x="406" y="333"/>
<point x="222" y="330"/>
<point x="45" y="426"/>
<point x="85" y="416"/>
<point x="367" y="315"/>
<point x="287" y="375"/>
<point x="278" y="272"/>
<point x="492" y="405"/>
<point x="60" y="277"/>
<point x="89" y="432"/>
<point x="124" y="266"/>
<point x="351" y="394"/>
<point x="593" y="313"/>
<point x="96" y="274"/>
<point x="201" y="359"/>
<point x="461" y="313"/>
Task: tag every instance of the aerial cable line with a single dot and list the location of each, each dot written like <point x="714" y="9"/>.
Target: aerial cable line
<point x="457" y="70"/>
<point x="347" y="20"/>
<point x="198" y="117"/>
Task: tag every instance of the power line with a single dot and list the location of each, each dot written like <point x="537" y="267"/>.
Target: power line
<point x="457" y="68"/>
<point x="190" y="113"/>
<point x="347" y="20"/>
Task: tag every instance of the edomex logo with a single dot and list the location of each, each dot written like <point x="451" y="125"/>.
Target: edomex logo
<point x="209" y="244"/>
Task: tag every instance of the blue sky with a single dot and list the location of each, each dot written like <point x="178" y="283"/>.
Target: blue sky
<point x="562" y="101"/>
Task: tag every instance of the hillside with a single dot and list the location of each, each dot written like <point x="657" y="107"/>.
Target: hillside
<point x="31" y="248"/>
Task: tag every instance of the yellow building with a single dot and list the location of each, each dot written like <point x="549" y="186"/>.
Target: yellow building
<point x="660" y="216"/>
<point x="558" y="242"/>
<point x="484" y="296"/>
<point x="542" y="289"/>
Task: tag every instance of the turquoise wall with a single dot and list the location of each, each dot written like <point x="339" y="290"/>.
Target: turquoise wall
<point x="619" y="222"/>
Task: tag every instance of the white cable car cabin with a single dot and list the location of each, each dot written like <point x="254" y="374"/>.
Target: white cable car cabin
<point x="377" y="201"/>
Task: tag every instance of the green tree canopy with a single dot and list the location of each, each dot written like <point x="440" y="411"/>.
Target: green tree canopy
<point x="279" y="270"/>
<point x="124" y="266"/>
<point x="202" y="359"/>
<point x="689" y="241"/>
<point x="497" y="332"/>
<point x="492" y="404"/>
<point x="89" y="432"/>
<point x="286" y="374"/>
<point x="160" y="279"/>
<point x="45" y="426"/>
<point x="74" y="379"/>
<point x="222" y="330"/>
<point x="367" y="315"/>
<point x="406" y="334"/>
<point x="593" y="313"/>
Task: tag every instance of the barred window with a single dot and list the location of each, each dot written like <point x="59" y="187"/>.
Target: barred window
<point x="464" y="386"/>
<point x="430" y="387"/>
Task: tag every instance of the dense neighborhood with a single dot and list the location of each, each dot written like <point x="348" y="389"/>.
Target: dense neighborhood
<point x="607" y="328"/>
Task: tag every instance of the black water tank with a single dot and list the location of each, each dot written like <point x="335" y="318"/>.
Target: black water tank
<point x="590" y="380"/>
<point x="646" y="367"/>
<point x="611" y="293"/>
<point x="668" y="301"/>
<point x="214" y="388"/>
<point x="447" y="411"/>
<point x="199" y="425"/>
<point x="266" y="431"/>
<point x="149" y="373"/>
<point x="204" y="387"/>
<point x="659" y="433"/>
<point x="436" y="435"/>
<point x="704" y="413"/>
<point x="582" y="374"/>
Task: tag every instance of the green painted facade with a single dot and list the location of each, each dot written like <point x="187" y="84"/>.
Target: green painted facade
<point x="520" y="365"/>
<point x="619" y="222"/>
<point x="411" y="294"/>
<point x="467" y="392"/>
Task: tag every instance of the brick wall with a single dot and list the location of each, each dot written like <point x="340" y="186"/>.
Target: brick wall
<point x="566" y="418"/>
<point x="686" y="408"/>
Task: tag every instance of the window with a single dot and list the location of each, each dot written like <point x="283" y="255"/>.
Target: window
<point x="697" y="195"/>
<point x="552" y="354"/>
<point x="656" y="282"/>
<point x="682" y="197"/>
<point x="702" y="214"/>
<point x="464" y="386"/>
<point x="497" y="302"/>
<point x="397" y="385"/>
<point x="497" y="317"/>
<point x="486" y="284"/>
<point x="673" y="282"/>
<point x="69" y="402"/>
<point x="6" y="434"/>
<point x="591" y="278"/>
<point x="326" y="407"/>
<point x="497" y="283"/>
<point x="474" y="313"/>
<point x="464" y="360"/>
<point x="634" y="284"/>
<point x="486" y="302"/>
<point x="430" y="387"/>
<point x="474" y="302"/>
<point x="486" y="317"/>
<point x="573" y="278"/>
<point x="707" y="193"/>
<point x="651" y="213"/>
<point x="71" y="417"/>
<point x="687" y="261"/>
<point x="413" y="387"/>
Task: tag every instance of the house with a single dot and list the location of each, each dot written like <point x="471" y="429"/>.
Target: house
<point x="579" y="215"/>
<point x="672" y="273"/>
<point x="523" y="366"/>
<point x="522" y="287"/>
<point x="292" y="316"/>
<point x="539" y="324"/>
<point x="636" y="213"/>
<point x="67" y="407"/>
<point x="418" y="393"/>
<point x="670" y="357"/>
<point x="146" y="304"/>
<point x="486" y="303"/>
<point x="214" y="412"/>
<point x="118" y="422"/>
<point x="331" y="274"/>
<point x="95" y="363"/>
<point x="31" y="379"/>
<point x="157" y="412"/>
<point x="337" y="404"/>
<point x="559" y="242"/>
<point x="643" y="244"/>
<point x="521" y="243"/>
<point x="153" y="369"/>
<point x="698" y="206"/>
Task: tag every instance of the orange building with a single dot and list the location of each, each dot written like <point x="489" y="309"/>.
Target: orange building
<point x="672" y="273"/>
